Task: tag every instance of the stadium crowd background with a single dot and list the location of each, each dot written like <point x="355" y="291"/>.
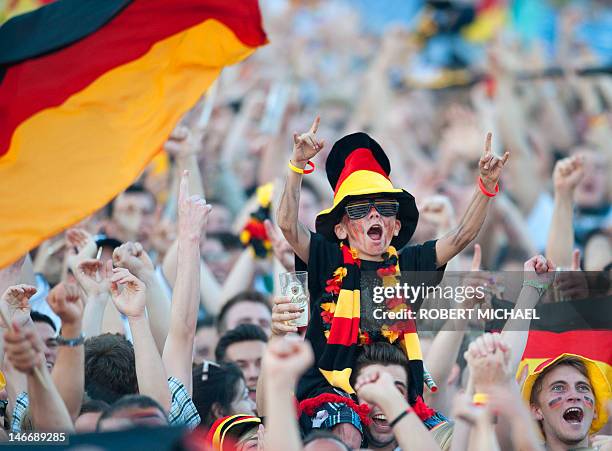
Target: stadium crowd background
<point x="428" y="82"/>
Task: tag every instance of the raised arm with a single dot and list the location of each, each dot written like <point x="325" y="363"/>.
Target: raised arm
<point x="135" y="259"/>
<point x="129" y="296"/>
<point x="285" y="360"/>
<point x="490" y="168"/>
<point x="94" y="278"/>
<point x="305" y="147"/>
<point x="24" y="349"/>
<point x="566" y="176"/>
<point x="538" y="272"/>
<point x="69" y="369"/>
<point x="178" y="350"/>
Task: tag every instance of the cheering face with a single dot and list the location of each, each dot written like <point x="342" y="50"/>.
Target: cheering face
<point x="371" y="234"/>
<point x="379" y="428"/>
<point x="566" y="405"/>
<point x="592" y="190"/>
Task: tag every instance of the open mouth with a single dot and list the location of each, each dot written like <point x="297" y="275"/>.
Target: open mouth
<point x="573" y="415"/>
<point x="375" y="232"/>
<point x="380" y="420"/>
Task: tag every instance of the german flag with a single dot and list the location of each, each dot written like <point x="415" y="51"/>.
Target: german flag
<point x="90" y="90"/>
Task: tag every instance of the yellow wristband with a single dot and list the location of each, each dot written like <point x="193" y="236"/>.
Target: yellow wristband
<point x="480" y="399"/>
<point x="299" y="170"/>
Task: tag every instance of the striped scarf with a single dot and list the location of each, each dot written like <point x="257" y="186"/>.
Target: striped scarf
<point x="341" y="307"/>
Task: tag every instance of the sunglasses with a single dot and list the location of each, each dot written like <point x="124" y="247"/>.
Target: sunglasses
<point x="360" y="209"/>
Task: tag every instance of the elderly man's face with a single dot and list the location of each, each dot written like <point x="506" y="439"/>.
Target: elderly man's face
<point x="370" y="235"/>
<point x="565" y="405"/>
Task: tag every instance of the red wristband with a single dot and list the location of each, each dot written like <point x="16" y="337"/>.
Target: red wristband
<point x="484" y="190"/>
<point x="312" y="168"/>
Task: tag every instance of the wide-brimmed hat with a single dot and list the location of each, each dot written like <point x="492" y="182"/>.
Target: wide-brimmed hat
<point x="358" y="167"/>
<point x="228" y="430"/>
<point x="597" y="378"/>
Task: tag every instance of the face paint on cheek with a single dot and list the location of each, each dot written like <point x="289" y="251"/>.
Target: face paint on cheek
<point x="589" y="402"/>
<point x="555" y="403"/>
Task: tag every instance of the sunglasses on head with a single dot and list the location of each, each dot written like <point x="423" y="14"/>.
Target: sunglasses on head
<point x="360" y="209"/>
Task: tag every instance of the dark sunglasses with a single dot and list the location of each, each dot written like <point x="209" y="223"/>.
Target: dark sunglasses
<point x="361" y="209"/>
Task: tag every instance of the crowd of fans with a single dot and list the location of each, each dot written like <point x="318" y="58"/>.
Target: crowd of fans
<point x="158" y="310"/>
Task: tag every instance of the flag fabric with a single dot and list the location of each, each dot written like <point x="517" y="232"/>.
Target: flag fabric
<point x="573" y="328"/>
<point x="89" y="91"/>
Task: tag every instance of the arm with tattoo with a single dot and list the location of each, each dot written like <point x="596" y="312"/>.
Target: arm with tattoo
<point x="490" y="167"/>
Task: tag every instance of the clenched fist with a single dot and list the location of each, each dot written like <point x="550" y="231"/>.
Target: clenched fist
<point x="567" y="174"/>
<point x="65" y="301"/>
<point x="193" y="213"/>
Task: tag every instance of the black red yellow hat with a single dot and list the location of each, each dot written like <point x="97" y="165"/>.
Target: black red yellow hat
<point x="226" y="431"/>
<point x="599" y="383"/>
<point x="358" y="167"/>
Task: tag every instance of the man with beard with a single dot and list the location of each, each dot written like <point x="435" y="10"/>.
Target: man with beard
<point x="568" y="396"/>
<point x="370" y="220"/>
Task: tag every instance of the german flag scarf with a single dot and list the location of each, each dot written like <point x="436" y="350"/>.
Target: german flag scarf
<point x="340" y="311"/>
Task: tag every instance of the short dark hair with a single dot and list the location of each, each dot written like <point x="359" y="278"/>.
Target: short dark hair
<point x="110" y="367"/>
<point x="572" y="361"/>
<point x="38" y="317"/>
<point x="214" y="384"/>
<point x="127" y="402"/>
<point x="380" y="353"/>
<point x="93" y="405"/>
<point x="243" y="296"/>
<point x="244" y="332"/>
<point x="324" y="434"/>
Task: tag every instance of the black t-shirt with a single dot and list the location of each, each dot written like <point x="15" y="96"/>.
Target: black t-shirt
<point x="324" y="258"/>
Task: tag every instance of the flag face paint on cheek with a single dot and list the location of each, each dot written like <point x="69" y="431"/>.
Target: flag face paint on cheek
<point x="589" y="402"/>
<point x="555" y="403"/>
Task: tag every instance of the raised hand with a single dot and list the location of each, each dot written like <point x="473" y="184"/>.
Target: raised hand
<point x="94" y="276"/>
<point x="24" y="349"/>
<point x="306" y="145"/>
<point x="65" y="301"/>
<point x="133" y="257"/>
<point x="490" y="165"/>
<point x="568" y="173"/>
<point x="80" y="245"/>
<point x="280" y="246"/>
<point x="488" y="358"/>
<point x="180" y="143"/>
<point x="284" y="311"/>
<point x="15" y="304"/>
<point x="128" y="293"/>
<point x="374" y="386"/>
<point x="439" y="211"/>
<point x="287" y="359"/>
<point x="539" y="269"/>
<point x="193" y="212"/>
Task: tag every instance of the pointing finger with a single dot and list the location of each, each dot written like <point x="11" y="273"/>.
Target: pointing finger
<point x="488" y="143"/>
<point x="315" y="125"/>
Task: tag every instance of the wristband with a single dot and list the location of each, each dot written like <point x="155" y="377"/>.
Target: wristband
<point x="480" y="399"/>
<point x="302" y="171"/>
<point x="484" y="190"/>
<point x="71" y="342"/>
<point x="399" y="417"/>
<point x="541" y="287"/>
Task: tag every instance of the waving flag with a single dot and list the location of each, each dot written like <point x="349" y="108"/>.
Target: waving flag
<point x="90" y="90"/>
